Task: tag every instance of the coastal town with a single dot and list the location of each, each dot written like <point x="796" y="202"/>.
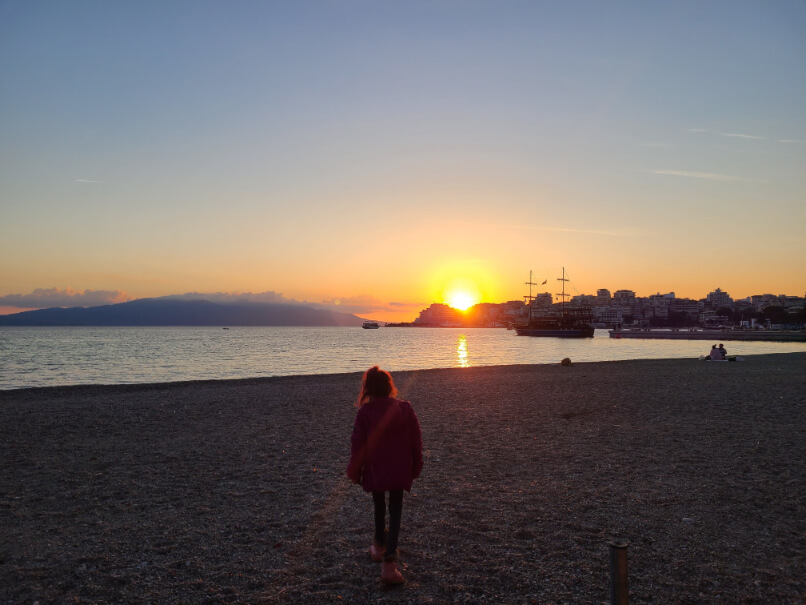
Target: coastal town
<point x="624" y="308"/>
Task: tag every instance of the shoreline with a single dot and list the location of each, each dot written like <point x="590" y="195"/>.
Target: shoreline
<point x="267" y="379"/>
<point x="234" y="490"/>
<point x="706" y="334"/>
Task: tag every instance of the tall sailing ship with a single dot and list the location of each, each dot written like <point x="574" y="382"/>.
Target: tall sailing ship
<point x="572" y="322"/>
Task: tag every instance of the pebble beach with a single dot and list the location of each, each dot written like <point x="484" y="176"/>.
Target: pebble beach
<point x="234" y="491"/>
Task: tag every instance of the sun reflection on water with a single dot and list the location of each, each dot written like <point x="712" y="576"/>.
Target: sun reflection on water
<point x="461" y="352"/>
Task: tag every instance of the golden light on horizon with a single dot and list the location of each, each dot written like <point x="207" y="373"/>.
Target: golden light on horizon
<point x="461" y="293"/>
<point x="461" y="300"/>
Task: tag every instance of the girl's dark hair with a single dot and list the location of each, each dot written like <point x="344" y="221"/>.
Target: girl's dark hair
<point x="375" y="384"/>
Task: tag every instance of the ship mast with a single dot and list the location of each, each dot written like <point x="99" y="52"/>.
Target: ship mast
<point x="530" y="298"/>
<point x="563" y="294"/>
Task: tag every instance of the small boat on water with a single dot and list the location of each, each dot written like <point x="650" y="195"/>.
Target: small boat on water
<point x="370" y="325"/>
<point x="572" y="323"/>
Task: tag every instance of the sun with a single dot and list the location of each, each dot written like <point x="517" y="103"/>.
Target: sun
<point x="461" y="300"/>
<point x="461" y="293"/>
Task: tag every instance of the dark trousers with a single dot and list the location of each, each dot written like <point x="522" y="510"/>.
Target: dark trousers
<point x="395" y="511"/>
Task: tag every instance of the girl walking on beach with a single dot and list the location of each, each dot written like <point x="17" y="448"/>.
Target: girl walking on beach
<point x="386" y="456"/>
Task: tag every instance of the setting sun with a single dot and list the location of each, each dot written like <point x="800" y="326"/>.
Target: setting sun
<point x="461" y="300"/>
<point x="462" y="293"/>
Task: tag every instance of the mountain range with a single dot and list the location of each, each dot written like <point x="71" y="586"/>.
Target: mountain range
<point x="166" y="312"/>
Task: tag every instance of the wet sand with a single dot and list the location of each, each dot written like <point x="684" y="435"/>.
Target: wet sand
<point x="234" y="491"/>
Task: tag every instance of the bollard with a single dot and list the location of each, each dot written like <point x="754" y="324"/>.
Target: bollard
<point x="619" y="589"/>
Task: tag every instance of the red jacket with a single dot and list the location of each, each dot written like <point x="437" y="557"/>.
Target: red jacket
<point x="387" y="446"/>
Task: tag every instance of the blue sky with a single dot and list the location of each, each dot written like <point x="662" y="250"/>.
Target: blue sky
<point x="375" y="151"/>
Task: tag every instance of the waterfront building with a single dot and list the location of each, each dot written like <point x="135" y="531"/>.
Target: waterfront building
<point x="624" y="297"/>
<point x="544" y="299"/>
<point x="761" y="301"/>
<point x="513" y="308"/>
<point x="624" y="307"/>
<point x="626" y="300"/>
<point x="690" y="308"/>
<point x="710" y="319"/>
<point x="719" y="299"/>
<point x="583" y="300"/>
<point x="438" y="315"/>
<point x="792" y="302"/>
<point x="659" y="305"/>
<point x="486" y="315"/>
<point x="612" y="316"/>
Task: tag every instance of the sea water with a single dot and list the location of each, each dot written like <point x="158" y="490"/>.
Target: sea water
<point x="55" y="356"/>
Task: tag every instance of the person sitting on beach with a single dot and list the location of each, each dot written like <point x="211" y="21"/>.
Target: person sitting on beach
<point x="386" y="456"/>
<point x="722" y="351"/>
<point x="715" y="354"/>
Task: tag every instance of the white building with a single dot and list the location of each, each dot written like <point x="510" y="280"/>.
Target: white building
<point x="690" y="307"/>
<point x="718" y="299"/>
<point x="603" y="297"/>
<point x="624" y="297"/>
<point x="609" y="315"/>
<point x="659" y="304"/>
<point x="544" y="299"/>
<point x="583" y="300"/>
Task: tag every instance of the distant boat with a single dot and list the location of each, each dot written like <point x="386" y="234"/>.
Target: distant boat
<point x="572" y="323"/>
<point x="370" y="325"/>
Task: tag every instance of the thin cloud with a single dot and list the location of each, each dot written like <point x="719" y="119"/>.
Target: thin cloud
<point x="735" y="135"/>
<point x="573" y="230"/>
<point x="363" y="304"/>
<point x="699" y="175"/>
<point x="408" y="305"/>
<point x="585" y="231"/>
<point x="43" y="298"/>
<point x="88" y="181"/>
<point x="361" y="300"/>
<point x="789" y="141"/>
<point x="740" y="136"/>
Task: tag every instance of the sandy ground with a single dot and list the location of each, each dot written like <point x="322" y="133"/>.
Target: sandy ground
<point x="234" y="491"/>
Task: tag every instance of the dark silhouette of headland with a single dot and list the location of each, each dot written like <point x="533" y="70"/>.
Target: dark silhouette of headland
<point x="162" y="312"/>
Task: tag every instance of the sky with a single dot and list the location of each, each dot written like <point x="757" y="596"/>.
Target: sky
<point x="377" y="157"/>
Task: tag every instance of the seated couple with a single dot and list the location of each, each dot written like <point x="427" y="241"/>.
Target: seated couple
<point x="718" y="354"/>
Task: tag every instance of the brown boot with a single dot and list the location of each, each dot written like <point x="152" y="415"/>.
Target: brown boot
<point x="390" y="574"/>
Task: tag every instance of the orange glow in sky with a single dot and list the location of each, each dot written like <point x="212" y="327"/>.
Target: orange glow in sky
<point x="377" y="179"/>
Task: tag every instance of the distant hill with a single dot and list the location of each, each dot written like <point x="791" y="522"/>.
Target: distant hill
<point x="164" y="312"/>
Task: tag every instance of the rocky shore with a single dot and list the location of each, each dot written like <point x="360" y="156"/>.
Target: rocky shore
<point x="234" y="491"/>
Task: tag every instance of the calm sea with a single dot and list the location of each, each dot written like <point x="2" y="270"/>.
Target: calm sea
<point x="32" y="357"/>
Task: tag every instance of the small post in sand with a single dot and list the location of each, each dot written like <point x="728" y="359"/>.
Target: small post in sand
<point x="619" y="589"/>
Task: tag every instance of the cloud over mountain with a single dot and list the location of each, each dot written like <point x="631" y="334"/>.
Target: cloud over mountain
<point x="234" y="297"/>
<point x="42" y="298"/>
